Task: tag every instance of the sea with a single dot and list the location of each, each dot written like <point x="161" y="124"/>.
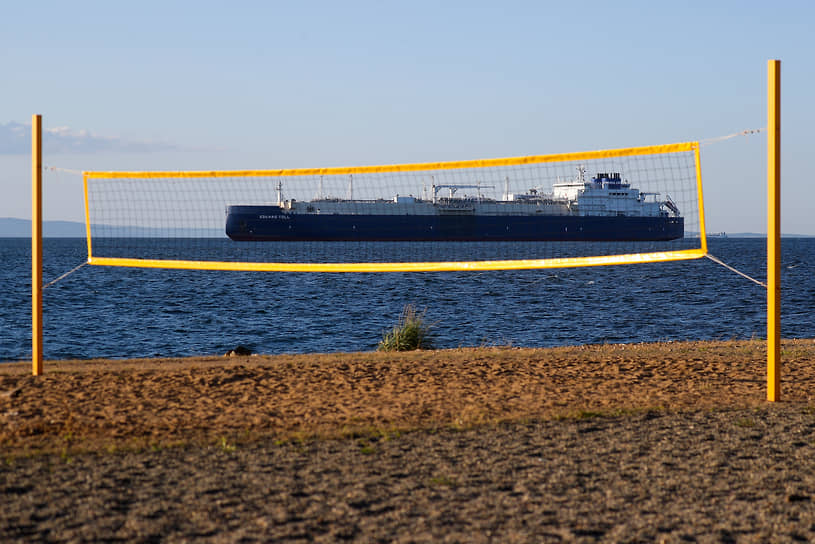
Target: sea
<point x="116" y="312"/>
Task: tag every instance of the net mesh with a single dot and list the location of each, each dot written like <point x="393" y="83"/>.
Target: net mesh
<point x="604" y="207"/>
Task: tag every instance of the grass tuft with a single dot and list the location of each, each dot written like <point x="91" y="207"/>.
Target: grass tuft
<point x="412" y="332"/>
<point x="442" y="481"/>
<point x="745" y="422"/>
<point x="226" y="447"/>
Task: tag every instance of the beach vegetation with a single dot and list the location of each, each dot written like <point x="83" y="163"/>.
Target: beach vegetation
<point x="443" y="481"/>
<point x="410" y="333"/>
<point x="226" y="446"/>
<point x="365" y="447"/>
<point x="591" y="414"/>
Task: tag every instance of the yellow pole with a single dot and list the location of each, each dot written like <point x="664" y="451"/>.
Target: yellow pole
<point x="773" y="230"/>
<point x="36" y="245"/>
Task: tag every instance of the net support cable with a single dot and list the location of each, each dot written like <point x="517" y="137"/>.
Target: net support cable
<point x="65" y="275"/>
<point x="747" y="132"/>
<point x="739" y="272"/>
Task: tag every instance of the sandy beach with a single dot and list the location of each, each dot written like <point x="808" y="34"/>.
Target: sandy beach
<point x="646" y="442"/>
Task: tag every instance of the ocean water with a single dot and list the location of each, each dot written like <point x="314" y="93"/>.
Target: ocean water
<point x="128" y="312"/>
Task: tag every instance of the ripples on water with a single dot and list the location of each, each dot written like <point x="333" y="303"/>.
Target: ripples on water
<point x="128" y="312"/>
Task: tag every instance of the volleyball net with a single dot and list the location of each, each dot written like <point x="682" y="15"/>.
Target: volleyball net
<point x="616" y="206"/>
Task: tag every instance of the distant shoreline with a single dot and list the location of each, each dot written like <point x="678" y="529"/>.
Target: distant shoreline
<point x="21" y="228"/>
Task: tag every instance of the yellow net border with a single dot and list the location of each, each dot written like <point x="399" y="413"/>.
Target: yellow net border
<point x="519" y="264"/>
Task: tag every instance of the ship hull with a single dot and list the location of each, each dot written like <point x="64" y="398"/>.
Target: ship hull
<point x="270" y="223"/>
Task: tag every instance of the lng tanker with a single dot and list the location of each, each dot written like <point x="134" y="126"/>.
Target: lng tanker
<point x="605" y="208"/>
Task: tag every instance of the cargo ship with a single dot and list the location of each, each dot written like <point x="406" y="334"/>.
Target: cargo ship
<point x="604" y="208"/>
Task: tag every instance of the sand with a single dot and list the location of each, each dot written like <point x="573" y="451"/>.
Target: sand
<point x="647" y="442"/>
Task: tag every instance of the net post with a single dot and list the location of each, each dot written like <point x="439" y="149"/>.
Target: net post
<point x="36" y="245"/>
<point x="773" y="230"/>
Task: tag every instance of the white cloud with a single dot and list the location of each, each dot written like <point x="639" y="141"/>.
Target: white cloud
<point x="15" y="139"/>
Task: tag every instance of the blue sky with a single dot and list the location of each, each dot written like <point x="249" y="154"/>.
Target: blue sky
<point x="235" y="85"/>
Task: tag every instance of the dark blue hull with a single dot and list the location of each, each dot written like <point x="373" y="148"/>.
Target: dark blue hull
<point x="269" y="223"/>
